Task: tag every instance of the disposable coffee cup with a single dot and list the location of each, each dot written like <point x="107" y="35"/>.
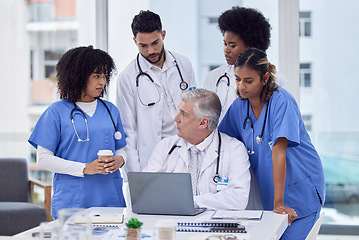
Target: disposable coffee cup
<point x="166" y="229"/>
<point x="103" y="154"/>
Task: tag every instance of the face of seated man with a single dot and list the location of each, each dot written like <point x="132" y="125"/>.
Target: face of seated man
<point x="189" y="127"/>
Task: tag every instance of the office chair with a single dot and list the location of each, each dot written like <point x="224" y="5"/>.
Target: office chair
<point x="315" y="229"/>
<point x="17" y="212"/>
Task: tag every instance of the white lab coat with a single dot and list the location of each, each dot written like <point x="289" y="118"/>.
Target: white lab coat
<point x="143" y="124"/>
<point x="233" y="165"/>
<point x="228" y="94"/>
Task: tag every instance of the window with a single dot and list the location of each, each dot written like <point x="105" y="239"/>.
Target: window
<point x="307" y="119"/>
<point x="212" y="67"/>
<point x="305" y="75"/>
<point x="305" y="22"/>
<point x="335" y="137"/>
<point x="212" y="20"/>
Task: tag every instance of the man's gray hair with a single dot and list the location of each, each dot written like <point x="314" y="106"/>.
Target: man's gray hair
<point x="207" y="104"/>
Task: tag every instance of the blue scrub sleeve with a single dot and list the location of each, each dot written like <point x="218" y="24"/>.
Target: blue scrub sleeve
<point x="47" y="131"/>
<point x="286" y="120"/>
<point x="230" y="122"/>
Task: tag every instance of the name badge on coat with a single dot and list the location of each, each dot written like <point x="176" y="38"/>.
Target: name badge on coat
<point x="222" y="184"/>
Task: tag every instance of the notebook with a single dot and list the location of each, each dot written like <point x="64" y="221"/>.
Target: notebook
<point x="111" y="217"/>
<point x="226" y="227"/>
<point x="162" y="193"/>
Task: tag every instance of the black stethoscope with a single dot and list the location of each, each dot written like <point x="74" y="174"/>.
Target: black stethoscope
<point x="216" y="176"/>
<point x="117" y="135"/>
<point x="259" y="139"/>
<point x="183" y="84"/>
<point x="226" y="78"/>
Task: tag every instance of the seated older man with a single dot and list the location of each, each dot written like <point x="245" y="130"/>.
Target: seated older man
<point x="218" y="164"/>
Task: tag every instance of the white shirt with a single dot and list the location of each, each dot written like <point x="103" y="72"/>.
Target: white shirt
<point x="144" y="125"/>
<point x="233" y="165"/>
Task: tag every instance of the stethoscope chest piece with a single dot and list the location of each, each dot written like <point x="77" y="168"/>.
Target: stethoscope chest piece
<point x="183" y="85"/>
<point x="118" y="135"/>
<point x="259" y="139"/>
<point x="215" y="178"/>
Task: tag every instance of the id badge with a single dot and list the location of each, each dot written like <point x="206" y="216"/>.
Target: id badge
<point x="222" y="184"/>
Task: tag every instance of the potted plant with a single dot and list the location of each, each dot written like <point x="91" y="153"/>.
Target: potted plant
<point x="133" y="229"/>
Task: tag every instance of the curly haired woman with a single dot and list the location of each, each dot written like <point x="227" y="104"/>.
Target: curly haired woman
<point x="242" y="28"/>
<point x="71" y="131"/>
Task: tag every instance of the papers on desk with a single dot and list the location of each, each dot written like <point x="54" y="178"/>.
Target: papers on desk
<point x="120" y="234"/>
<point x="244" y="214"/>
<point x="110" y="217"/>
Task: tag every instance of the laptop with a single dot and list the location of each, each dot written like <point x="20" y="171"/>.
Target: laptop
<point x="162" y="193"/>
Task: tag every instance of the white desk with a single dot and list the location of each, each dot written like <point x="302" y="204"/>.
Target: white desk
<point x="270" y="227"/>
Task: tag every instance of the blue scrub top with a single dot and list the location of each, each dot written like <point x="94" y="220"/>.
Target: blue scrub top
<point x="304" y="186"/>
<point x="54" y="131"/>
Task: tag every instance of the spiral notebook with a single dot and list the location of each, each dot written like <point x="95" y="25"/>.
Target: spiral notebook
<point x="228" y="227"/>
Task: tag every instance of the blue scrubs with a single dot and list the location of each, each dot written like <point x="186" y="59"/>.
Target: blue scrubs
<point x="304" y="186"/>
<point x="54" y="131"/>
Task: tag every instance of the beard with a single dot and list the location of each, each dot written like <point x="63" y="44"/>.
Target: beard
<point x="160" y="55"/>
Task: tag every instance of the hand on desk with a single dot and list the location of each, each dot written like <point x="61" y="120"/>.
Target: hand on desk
<point x="281" y="209"/>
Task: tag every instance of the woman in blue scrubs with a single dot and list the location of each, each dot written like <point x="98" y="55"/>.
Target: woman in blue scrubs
<point x="71" y="131"/>
<point x="286" y="165"/>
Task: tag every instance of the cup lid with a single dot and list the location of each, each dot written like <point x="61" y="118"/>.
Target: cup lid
<point x="166" y="223"/>
<point x="105" y="153"/>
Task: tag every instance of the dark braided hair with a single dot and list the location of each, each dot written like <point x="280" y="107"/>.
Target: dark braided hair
<point x="75" y="67"/>
<point x="257" y="60"/>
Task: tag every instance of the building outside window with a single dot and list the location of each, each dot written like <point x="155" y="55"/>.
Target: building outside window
<point x="305" y="24"/>
<point x="307" y="119"/>
<point x="305" y="75"/>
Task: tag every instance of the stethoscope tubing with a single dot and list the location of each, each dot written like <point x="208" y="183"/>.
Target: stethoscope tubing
<point x="216" y="176"/>
<point x="117" y="134"/>
<point x="226" y="77"/>
<point x="259" y="138"/>
<point x="183" y="84"/>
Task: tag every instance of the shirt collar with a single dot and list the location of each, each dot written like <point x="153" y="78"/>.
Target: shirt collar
<point x="204" y="144"/>
<point x="167" y="64"/>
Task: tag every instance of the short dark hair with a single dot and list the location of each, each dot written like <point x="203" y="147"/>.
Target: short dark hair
<point x="75" y="67"/>
<point x="146" y="22"/>
<point x="257" y="60"/>
<point x="249" y="24"/>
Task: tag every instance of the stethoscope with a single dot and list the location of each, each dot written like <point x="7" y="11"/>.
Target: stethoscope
<point x="216" y="176"/>
<point x="183" y="84"/>
<point x="117" y="135"/>
<point x="259" y="138"/>
<point x="226" y="78"/>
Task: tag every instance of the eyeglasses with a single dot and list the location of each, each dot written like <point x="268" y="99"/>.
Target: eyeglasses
<point x="222" y="237"/>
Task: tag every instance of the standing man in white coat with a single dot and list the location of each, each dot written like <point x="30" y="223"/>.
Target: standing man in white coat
<point x="148" y="90"/>
<point x="242" y="28"/>
<point x="219" y="168"/>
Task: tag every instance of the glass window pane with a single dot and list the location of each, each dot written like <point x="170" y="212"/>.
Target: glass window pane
<point x="334" y="128"/>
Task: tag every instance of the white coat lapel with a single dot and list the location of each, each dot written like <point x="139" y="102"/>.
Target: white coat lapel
<point x="211" y="154"/>
<point x="183" y="152"/>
